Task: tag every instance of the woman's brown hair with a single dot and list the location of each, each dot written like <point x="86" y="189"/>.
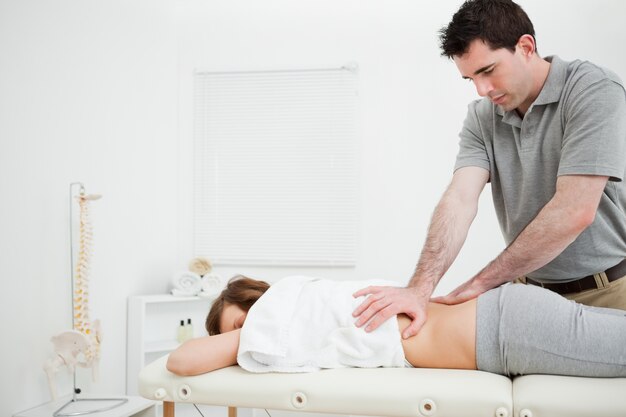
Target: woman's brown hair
<point x="241" y="291"/>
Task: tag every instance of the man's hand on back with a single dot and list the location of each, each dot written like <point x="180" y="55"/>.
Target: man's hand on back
<point x="464" y="292"/>
<point x="385" y="302"/>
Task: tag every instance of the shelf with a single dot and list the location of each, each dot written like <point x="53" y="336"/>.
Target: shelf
<point x="168" y="298"/>
<point x="153" y="322"/>
<point x="161" y="346"/>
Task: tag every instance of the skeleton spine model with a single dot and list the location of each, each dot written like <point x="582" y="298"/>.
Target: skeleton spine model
<point x="80" y="346"/>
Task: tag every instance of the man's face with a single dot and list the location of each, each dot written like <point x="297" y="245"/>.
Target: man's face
<point x="501" y="75"/>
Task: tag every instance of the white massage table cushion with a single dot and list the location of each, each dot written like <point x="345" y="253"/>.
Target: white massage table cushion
<point x="563" y="396"/>
<point x="393" y="392"/>
<point x="381" y="391"/>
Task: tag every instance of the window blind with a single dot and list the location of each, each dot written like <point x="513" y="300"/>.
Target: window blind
<point x="275" y="169"/>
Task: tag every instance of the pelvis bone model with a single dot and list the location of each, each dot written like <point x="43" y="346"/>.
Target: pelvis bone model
<point x="80" y="346"/>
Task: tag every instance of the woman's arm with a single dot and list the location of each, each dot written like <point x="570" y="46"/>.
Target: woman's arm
<point x="205" y="354"/>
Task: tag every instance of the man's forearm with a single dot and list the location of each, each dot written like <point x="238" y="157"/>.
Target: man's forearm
<point x="553" y="230"/>
<point x="446" y="234"/>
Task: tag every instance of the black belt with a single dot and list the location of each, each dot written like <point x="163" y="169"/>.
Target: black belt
<point x="587" y="283"/>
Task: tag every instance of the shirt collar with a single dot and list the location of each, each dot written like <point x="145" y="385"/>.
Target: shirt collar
<point x="552" y="88"/>
<point x="550" y="92"/>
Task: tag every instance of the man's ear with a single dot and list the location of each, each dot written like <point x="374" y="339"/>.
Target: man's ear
<point x="526" y="44"/>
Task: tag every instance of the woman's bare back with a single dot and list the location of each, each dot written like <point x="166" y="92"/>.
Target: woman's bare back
<point x="447" y="339"/>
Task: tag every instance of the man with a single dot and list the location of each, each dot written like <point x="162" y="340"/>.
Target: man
<point x="550" y="136"/>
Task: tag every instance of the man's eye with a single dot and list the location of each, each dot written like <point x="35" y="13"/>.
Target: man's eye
<point x="489" y="71"/>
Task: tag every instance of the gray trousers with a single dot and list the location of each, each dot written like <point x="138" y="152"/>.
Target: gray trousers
<point x="522" y="329"/>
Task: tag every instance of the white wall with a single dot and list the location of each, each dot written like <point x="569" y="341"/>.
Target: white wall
<point x="400" y="77"/>
<point x="99" y="92"/>
<point x="87" y="93"/>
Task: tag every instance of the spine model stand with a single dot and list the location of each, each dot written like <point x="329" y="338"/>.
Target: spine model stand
<point x="81" y="345"/>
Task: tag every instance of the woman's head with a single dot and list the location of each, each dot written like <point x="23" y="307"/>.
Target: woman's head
<point x="232" y="305"/>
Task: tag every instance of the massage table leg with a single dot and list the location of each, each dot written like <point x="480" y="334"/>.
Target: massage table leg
<point x="168" y="409"/>
<point x="232" y="411"/>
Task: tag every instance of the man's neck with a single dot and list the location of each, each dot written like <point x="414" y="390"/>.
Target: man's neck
<point x="540" y="69"/>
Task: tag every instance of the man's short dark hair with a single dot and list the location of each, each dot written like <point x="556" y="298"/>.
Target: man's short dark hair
<point x="499" y="23"/>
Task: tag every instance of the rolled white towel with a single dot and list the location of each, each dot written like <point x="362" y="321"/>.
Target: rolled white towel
<point x="186" y="284"/>
<point x="212" y="284"/>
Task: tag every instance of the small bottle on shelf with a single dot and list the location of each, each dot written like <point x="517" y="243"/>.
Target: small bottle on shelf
<point x="181" y="333"/>
<point x="189" y="330"/>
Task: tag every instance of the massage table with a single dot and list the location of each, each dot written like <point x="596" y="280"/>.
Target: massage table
<point x="394" y="392"/>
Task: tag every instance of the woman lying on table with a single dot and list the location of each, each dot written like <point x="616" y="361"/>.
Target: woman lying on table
<point x="303" y="324"/>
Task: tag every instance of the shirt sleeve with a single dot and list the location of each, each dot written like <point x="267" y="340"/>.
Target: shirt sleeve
<point x="594" y="137"/>
<point x="472" y="150"/>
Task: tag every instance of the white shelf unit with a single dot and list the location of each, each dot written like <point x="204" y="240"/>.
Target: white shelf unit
<point x="153" y="322"/>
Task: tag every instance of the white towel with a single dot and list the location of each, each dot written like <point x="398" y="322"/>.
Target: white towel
<point x="303" y="324"/>
<point x="186" y="284"/>
<point x="211" y="285"/>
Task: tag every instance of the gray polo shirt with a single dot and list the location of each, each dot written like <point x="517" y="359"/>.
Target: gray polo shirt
<point x="577" y="125"/>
